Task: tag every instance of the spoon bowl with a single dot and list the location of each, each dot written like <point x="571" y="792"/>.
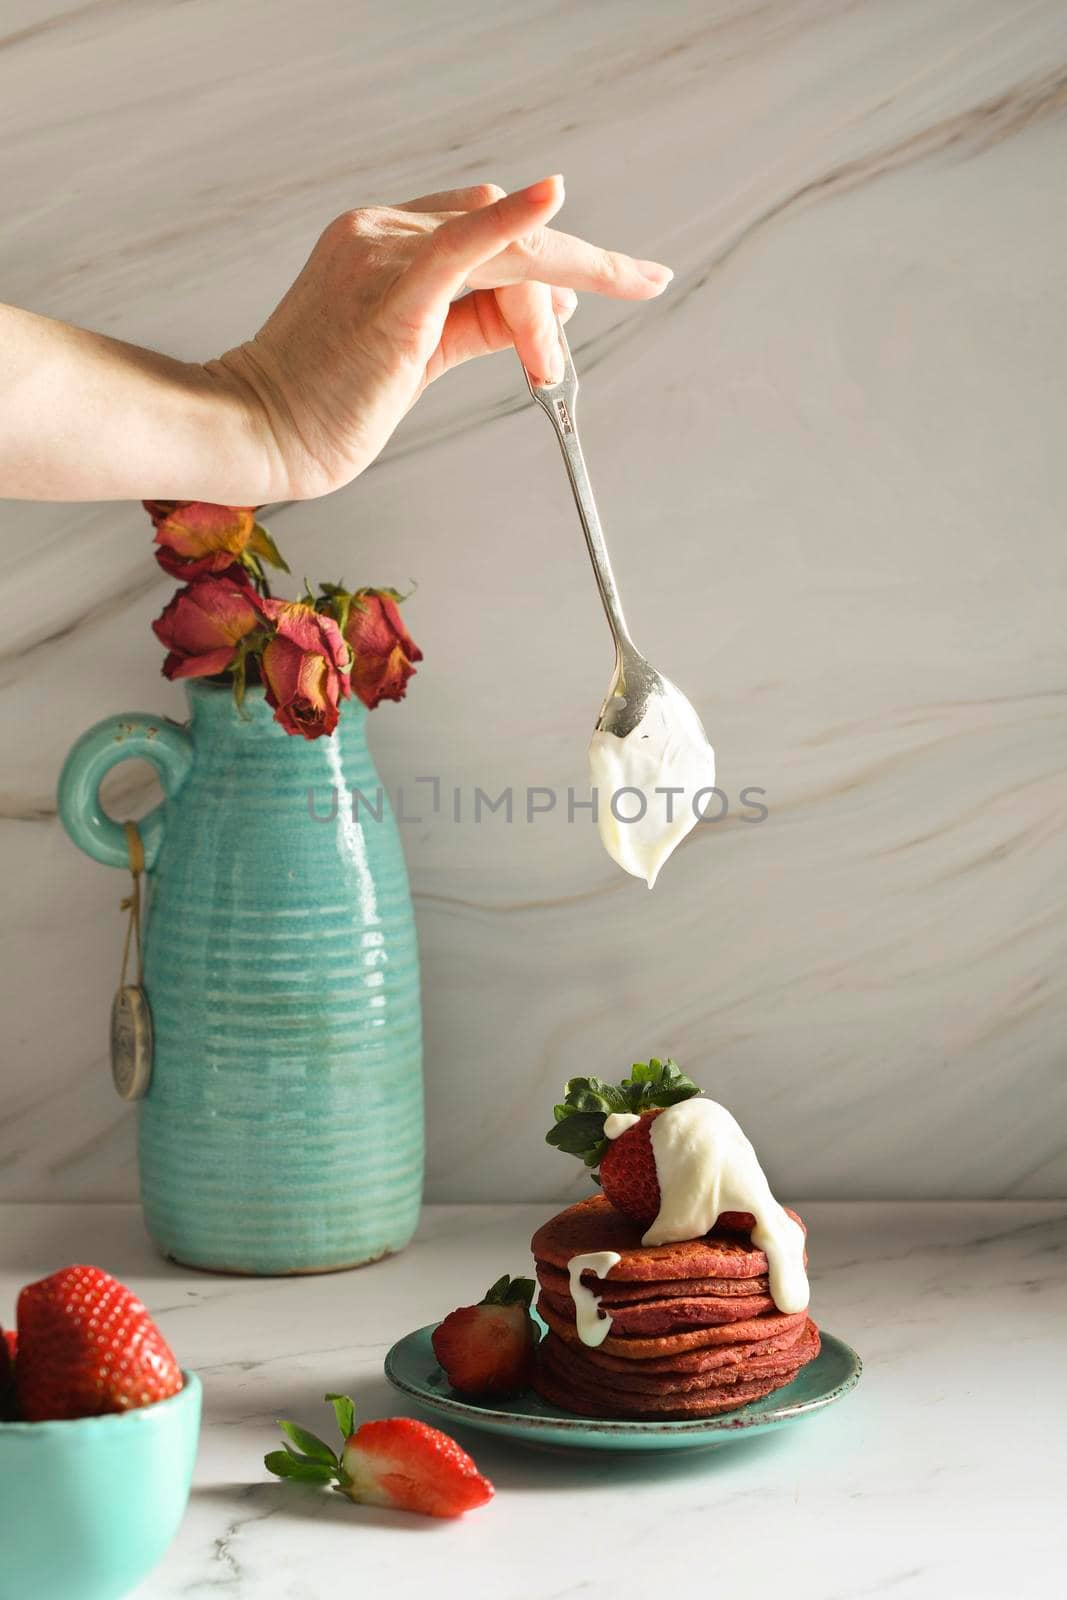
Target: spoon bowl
<point x="635" y="683"/>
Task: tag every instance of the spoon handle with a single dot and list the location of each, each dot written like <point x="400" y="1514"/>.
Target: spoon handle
<point x="557" y="401"/>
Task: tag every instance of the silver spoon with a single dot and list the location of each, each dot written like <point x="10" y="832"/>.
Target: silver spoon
<point x="635" y="683"/>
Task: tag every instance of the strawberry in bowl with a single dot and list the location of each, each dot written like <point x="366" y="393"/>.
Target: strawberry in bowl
<point x="98" y="1438"/>
<point x="88" y="1346"/>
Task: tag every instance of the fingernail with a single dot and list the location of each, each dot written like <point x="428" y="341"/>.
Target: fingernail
<point x="565" y="299"/>
<point x="554" y="364"/>
<point x="543" y="190"/>
<point x="655" y="272"/>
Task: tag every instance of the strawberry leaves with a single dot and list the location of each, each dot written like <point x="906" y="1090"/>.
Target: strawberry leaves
<point x="588" y="1102"/>
<point x="657" y="1083"/>
<point x="344" y="1411"/>
<point x="508" y="1291"/>
<point x="312" y="1460"/>
<point x="285" y="1464"/>
<point x="309" y="1444"/>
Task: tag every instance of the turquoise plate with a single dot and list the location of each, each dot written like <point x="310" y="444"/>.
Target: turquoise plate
<point x="412" y="1368"/>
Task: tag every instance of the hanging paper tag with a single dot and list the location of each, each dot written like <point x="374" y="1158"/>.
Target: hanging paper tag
<point x="131" y="1016"/>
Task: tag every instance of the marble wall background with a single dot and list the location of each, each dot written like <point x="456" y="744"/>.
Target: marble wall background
<point x="831" y="461"/>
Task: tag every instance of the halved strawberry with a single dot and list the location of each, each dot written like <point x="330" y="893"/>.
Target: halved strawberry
<point x="488" y="1349"/>
<point x="87" y="1346"/>
<point x="395" y="1462"/>
<point x="409" y="1465"/>
<point x="627" y="1168"/>
<point x="8" y="1345"/>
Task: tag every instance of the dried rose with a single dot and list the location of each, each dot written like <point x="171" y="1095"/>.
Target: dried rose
<point x="195" y="537"/>
<point x="160" y="510"/>
<point x="383" y="651"/>
<point x="203" y="625"/>
<point x="304" y="668"/>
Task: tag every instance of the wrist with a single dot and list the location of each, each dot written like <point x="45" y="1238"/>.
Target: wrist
<point x="246" y="430"/>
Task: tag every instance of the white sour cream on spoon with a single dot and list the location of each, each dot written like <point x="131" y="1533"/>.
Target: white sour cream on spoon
<point x="667" y="750"/>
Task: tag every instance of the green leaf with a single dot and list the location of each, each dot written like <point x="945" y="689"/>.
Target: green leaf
<point x="657" y="1083"/>
<point x="309" y="1443"/>
<point x="577" y="1134"/>
<point x="284" y="1465"/>
<point x="344" y="1411"/>
<point x="593" y="1094"/>
<point x="671" y="1097"/>
<point x="261" y="544"/>
<point x="508" y="1291"/>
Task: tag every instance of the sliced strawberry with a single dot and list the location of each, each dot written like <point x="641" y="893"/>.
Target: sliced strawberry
<point x="488" y="1349"/>
<point x="410" y="1466"/>
<point x="87" y="1346"/>
<point x="395" y="1462"/>
<point x="8" y="1344"/>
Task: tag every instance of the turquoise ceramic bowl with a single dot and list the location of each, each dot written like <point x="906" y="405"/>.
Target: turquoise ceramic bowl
<point x="88" y="1507"/>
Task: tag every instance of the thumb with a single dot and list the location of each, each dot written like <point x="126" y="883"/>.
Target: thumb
<point x="463" y="243"/>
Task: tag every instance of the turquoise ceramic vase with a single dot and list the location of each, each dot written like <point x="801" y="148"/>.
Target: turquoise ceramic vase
<point x="282" y="1129"/>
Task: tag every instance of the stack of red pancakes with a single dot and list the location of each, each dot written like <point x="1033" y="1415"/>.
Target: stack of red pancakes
<point x="694" y="1331"/>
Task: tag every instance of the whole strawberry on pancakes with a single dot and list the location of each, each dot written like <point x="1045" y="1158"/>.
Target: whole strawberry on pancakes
<point x="681" y="1290"/>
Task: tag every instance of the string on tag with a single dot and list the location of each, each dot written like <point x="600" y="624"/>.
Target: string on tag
<point x="132" y="902"/>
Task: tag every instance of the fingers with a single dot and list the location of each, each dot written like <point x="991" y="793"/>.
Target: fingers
<point x="559" y="258"/>
<point x="452" y="253"/>
<point x="475" y="326"/>
<point x="528" y="311"/>
<point x="470" y="199"/>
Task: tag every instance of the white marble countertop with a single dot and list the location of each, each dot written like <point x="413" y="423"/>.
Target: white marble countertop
<point x="940" y="1477"/>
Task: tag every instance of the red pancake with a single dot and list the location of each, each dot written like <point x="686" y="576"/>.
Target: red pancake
<point x="568" y="1363"/>
<point x="688" y="1361"/>
<point x="612" y="1293"/>
<point x="674" y="1315"/>
<point x="632" y="1347"/>
<point x="594" y="1225"/>
<point x="621" y="1406"/>
<point x="628" y="1398"/>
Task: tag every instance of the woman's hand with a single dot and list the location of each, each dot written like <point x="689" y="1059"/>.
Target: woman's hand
<point x="377" y="313"/>
<point x="373" y="318"/>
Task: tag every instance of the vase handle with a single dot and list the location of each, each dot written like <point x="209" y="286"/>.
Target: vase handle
<point x="167" y="745"/>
